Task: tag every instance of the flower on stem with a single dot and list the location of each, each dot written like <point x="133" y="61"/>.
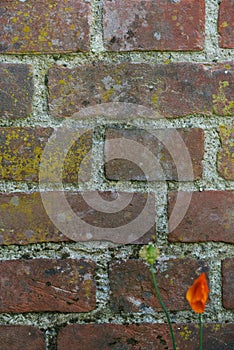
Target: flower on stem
<point x="149" y="253"/>
<point x="197" y="294"/>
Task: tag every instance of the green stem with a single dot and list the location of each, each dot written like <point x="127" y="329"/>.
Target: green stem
<point x="163" y="306"/>
<point x="200" y="331"/>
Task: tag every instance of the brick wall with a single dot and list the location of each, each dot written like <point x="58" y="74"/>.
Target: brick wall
<point x="116" y="131"/>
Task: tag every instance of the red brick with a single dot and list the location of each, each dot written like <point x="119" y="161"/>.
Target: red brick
<point x="168" y="165"/>
<point x="226" y="24"/>
<point x="132" y="288"/>
<point x="222" y="87"/>
<point x="144" y="336"/>
<point x="209" y="217"/>
<point x="228" y="283"/>
<point x="16" y="90"/>
<point x="225" y="157"/>
<point x="21" y="338"/>
<point x="47" y="285"/>
<point x="21" y="151"/>
<point x="24" y="219"/>
<point x="44" y="26"/>
<point x="154" y="25"/>
<point x="171" y="90"/>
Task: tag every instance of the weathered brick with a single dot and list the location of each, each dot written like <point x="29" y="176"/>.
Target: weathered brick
<point x="228" y="282"/>
<point x="44" y="26"/>
<point x="47" y="285"/>
<point x="24" y="219"/>
<point x="132" y="288"/>
<point x="144" y="336"/>
<point x="171" y="90"/>
<point x="22" y="148"/>
<point x="167" y="147"/>
<point x="21" y="338"/>
<point x="209" y="217"/>
<point x="216" y="336"/>
<point x="222" y="87"/>
<point x="225" y="157"/>
<point x="16" y="90"/>
<point x="154" y="25"/>
<point x="226" y="24"/>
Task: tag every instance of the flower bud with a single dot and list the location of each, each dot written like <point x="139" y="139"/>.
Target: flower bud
<point x="149" y="253"/>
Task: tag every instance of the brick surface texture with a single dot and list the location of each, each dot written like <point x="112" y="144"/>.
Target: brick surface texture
<point x="21" y="338"/>
<point x="24" y="219"/>
<point x="144" y="337"/>
<point x="175" y="89"/>
<point x="132" y="288"/>
<point x="47" y="285"/>
<point x="226" y="154"/>
<point x="44" y="26"/>
<point x="16" y="90"/>
<point x="208" y="217"/>
<point x="166" y="146"/>
<point x="228" y="283"/>
<point x="226" y="24"/>
<point x="153" y="25"/>
<point x="22" y="150"/>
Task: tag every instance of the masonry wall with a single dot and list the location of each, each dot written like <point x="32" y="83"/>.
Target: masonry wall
<point x="138" y="98"/>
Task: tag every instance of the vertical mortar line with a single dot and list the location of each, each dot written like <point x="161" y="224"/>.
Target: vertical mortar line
<point x="161" y="217"/>
<point x="211" y="30"/>
<point x="51" y="339"/>
<point x="215" y="286"/>
<point x="102" y="282"/>
<point x="211" y="149"/>
<point x="98" y="159"/>
<point x="40" y="115"/>
<point x="96" y="29"/>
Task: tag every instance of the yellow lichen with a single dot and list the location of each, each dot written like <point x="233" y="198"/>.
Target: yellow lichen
<point x="224" y="24"/>
<point x="185" y="333"/>
<point x="26" y="29"/>
<point x="107" y="94"/>
<point x="220" y="101"/>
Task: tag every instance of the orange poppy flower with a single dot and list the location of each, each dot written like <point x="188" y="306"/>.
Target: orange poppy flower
<point x="197" y="294"/>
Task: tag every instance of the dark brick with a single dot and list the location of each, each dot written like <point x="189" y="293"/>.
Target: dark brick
<point x="154" y="25"/>
<point x="216" y="336"/>
<point x="228" y="283"/>
<point x="44" y="26"/>
<point x="24" y="219"/>
<point x="209" y="217"/>
<point x="132" y="288"/>
<point x="168" y="90"/>
<point x="168" y="163"/>
<point x="16" y="90"/>
<point x="47" y="285"/>
<point x="226" y="24"/>
<point x="21" y="338"/>
<point x="21" y="151"/>
<point x="225" y="157"/>
<point x="144" y="336"/>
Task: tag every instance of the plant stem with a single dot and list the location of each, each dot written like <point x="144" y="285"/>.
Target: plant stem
<point x="200" y="330"/>
<point x="163" y="306"/>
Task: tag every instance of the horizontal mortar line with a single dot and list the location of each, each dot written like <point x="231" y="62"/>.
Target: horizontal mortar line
<point x="80" y="318"/>
<point x="27" y="187"/>
<point x="192" y="121"/>
<point x="175" y="251"/>
<point x="74" y="58"/>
